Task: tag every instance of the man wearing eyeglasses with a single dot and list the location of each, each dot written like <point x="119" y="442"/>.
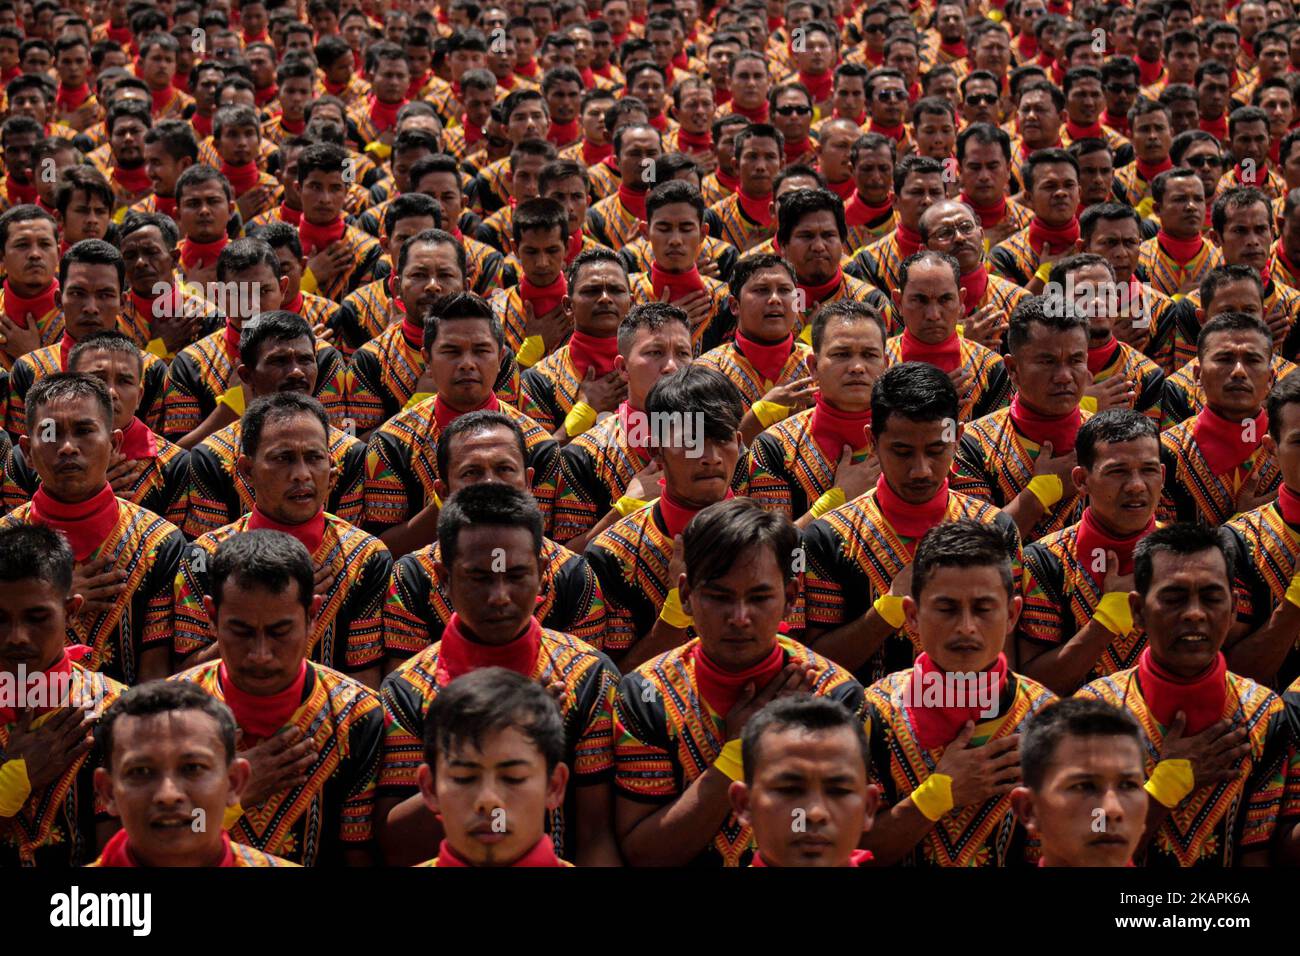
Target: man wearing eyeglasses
<point x="1203" y="154"/>
<point x="873" y="30"/>
<point x="1119" y="83"/>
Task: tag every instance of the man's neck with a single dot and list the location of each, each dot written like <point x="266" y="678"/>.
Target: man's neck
<point x="28" y="291"/>
<point x="63" y="498"/>
<point x="475" y="638"/>
<point x="1232" y="416"/>
<point x="754" y="337"/>
<point x="1115" y="529"/>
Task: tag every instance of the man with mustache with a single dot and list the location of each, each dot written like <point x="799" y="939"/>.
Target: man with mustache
<point x="284" y="456"/>
<point x="1216" y="464"/>
<point x="491" y="558"/>
<point x="947" y="762"/>
<point x="918" y="185"/>
<point x="127" y="557"/>
<point x="158" y="312"/>
<point x="1018" y="457"/>
<point x="48" y="811"/>
<point x="859" y="555"/>
<point x="311" y="735"/>
<point x="1079" y="757"/>
<point x="277" y="354"/>
<point x="1076" y="626"/>
<point x="169" y="763"/>
<point x="1217" y="746"/>
<point x="674" y="765"/>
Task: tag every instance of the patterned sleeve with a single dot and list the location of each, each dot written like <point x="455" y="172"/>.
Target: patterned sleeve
<point x="539" y="391"/>
<point x="970" y="476"/>
<point x="1271" y="789"/>
<point x="996" y="392"/>
<point x="1151" y="393"/>
<point x="184" y="399"/>
<point x="644" y="768"/>
<point x="581" y="498"/>
<point x="193" y="629"/>
<point x="20" y="480"/>
<point x="579" y="607"/>
<point x="365" y="752"/>
<point x="347" y="500"/>
<point x="629" y="613"/>
<point x="153" y="393"/>
<point x="364" y="612"/>
<point x="1167" y="510"/>
<point x="366" y="399"/>
<point x="346" y="325"/>
<point x="175" y="488"/>
<point x="406" y="631"/>
<point x="544" y="458"/>
<point x="594" y="760"/>
<point x="393" y="493"/>
<point x="828" y="577"/>
<point x="403" y="747"/>
<point x="160" y="615"/>
<point x="1253" y="601"/>
<point x="1002" y="261"/>
<point x="332" y="382"/>
<point x="20" y="380"/>
<point x="1043" y="616"/>
<point x="211" y="493"/>
<point x="767" y="484"/>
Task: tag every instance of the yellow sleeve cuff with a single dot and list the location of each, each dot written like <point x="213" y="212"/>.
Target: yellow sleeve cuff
<point x="1293" y="591"/>
<point x="531" y="351"/>
<point x="1114" y="614"/>
<point x="1171" y="781"/>
<point x="769" y="413"/>
<point x="1048" y="489"/>
<point x="828" y="502"/>
<point x="15" y="788"/>
<point x="805" y="334"/>
<point x="581" y="417"/>
<point x="672" y="612"/>
<point x="417" y="398"/>
<point x="626" y="505"/>
<point x="308" y="283"/>
<point x="231" y="816"/>
<point x="159" y="348"/>
<point x="729" y="761"/>
<point x="1044" y="271"/>
<point x="1089" y="404"/>
<point x="890" y="607"/>
<point x="379" y="150"/>
<point x="934" y="797"/>
<point x="233" y="398"/>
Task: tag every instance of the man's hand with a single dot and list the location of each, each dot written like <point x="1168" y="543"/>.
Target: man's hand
<point x="604" y="394"/>
<point x="1060" y="465"/>
<point x="644" y="485"/>
<point x="1253" y="493"/>
<point x="426" y="381"/>
<point x="980" y="773"/>
<point x="961" y="378"/>
<point x="708" y="266"/>
<point x="856" y="477"/>
<point x="123" y="473"/>
<point x="1215" y="753"/>
<point x="1114" y="582"/>
<point x="677" y="562"/>
<point x="793" y="679"/>
<point x="322" y="580"/>
<point x="176" y="331"/>
<point x="53" y="747"/>
<point x="279" y="763"/>
<point x="333" y="260"/>
<point x="698" y="306"/>
<point x="552" y="326"/>
<point x="1045" y="257"/>
<point x="1278" y="321"/>
<point x="17" y="341"/>
<point x="797" y="394"/>
<point x="707" y="162"/>
<point x="1134" y="331"/>
<point x="901" y="586"/>
<point x="254" y="201"/>
<point x="99" y="583"/>
<point x="986" y="327"/>
<point x="323" y="332"/>
<point x="1115" y="392"/>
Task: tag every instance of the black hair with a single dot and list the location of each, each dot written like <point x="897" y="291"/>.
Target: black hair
<point x="717" y="537"/>
<point x="277" y="326"/>
<point x="244" y="254"/>
<point x="196" y="175"/>
<point x="1107" y="212"/>
<point x="540" y="214"/>
<point x="489" y="700"/>
<point x="1070" y="717"/>
<point x="672" y="191"/>
<point x="62" y="385"/>
<point x="793" y="206"/>
<point x="165" y="697"/>
<point x="33" y="551"/>
<point x="846" y="311"/>
<point x="461" y="305"/>
<point x="1238" y="197"/>
<point x="804" y="712"/>
<point x="651" y="316"/>
<point x="270" y="409"/>
<point x="964" y="543"/>
<point x="752" y="264"/>
<point x="1055" y="314"/>
<point x="1232" y="322"/>
<point x="95" y="252"/>
<point x="1112" y="427"/>
<point x="488" y="504"/>
<point x="433" y="237"/>
<point x="702" y="394"/>
<point x="1183" y="539"/>
<point x="476" y="422"/>
<point x="109" y="340"/>
<point x="268" y="560"/>
<point x="916" y="390"/>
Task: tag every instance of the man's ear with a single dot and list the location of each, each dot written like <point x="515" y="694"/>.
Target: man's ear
<point x="1079" y="476"/>
<point x="643" y="228"/>
<point x="244" y="465"/>
<point x="428" y="792"/>
<point x="244" y="374"/>
<point x="102" y="781"/>
<point x="738" y="794"/>
<point x="238" y="775"/>
<point x="870" y="806"/>
<point x="284" y="286"/>
<point x="1022" y="802"/>
<point x="555" y="786"/>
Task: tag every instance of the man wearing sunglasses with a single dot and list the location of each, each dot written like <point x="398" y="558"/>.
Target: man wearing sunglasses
<point x="792" y="112"/>
<point x="887" y="104"/>
<point x="1119" y="84"/>
<point x="979" y="99"/>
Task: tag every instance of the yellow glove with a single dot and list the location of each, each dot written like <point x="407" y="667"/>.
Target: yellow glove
<point x="15" y="788"/>
<point x="828" y="502"/>
<point x="627" y="505"/>
<point x="531" y="351"/>
<point x="1114" y="614"/>
<point x="890" y="607"/>
<point x="233" y="398"/>
<point x="417" y="398"/>
<point x="729" y="760"/>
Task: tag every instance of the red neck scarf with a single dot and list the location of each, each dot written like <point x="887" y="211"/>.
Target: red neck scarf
<point x="909" y="520"/>
<point x="444" y="414"/>
<point x="758" y="115"/>
<point x="1222" y="440"/>
<point x="858" y="212"/>
<point x="1092" y="540"/>
<point x="459" y="653"/>
<point x="265" y="94"/>
<point x="311" y="533"/>
<point x="1118" y="123"/>
<point x="797" y="148"/>
<point x="588" y="351"/>
<point x="635" y="431"/>
<point x="690" y="142"/>
<point x="86" y="524"/>
<point x="260" y="38"/>
<point x="859" y="119"/>
<point x="832" y="429"/>
<point x="230" y="339"/>
<point x="1100" y="356"/>
<point x="989" y="215"/>
<point x="117" y="852"/>
<point x="543" y="854"/>
<point x="908" y="239"/>
<point x="593" y="153"/>
<point x="1149" y="171"/>
<point x="121" y="34"/>
<point x="161" y="98"/>
<point x="895" y="133"/>
<point x="945" y="355"/>
<point x="815" y="295"/>
<point x="1055" y="238"/>
<point x="261" y="716"/>
<point x="18" y="307"/>
<point x="675" y="514"/>
<point x="844" y="190"/>
<point x="856" y="858"/>
<point x="1027" y="44"/>
<point x="134" y="180"/>
<point x="529" y="69"/>
<point x="295" y="304"/>
<point x="139" y="443"/>
<point x="820" y="85"/>
<point x="292" y="216"/>
<point x="1259" y="175"/>
<point x="1201" y="698"/>
<point x="975" y="283"/>
<point x="1078" y="131"/>
<point x="660" y="122"/>
<point x="336" y="89"/>
<point x="768" y="359"/>
<point x="203" y="125"/>
<point x="1288" y="503"/>
<point x="144" y="304"/>
<point x="241" y="178"/>
<point x="70" y="98"/>
<point x="562" y="134"/>
<point x="939" y="726"/>
<point x="721" y="689"/>
<point x="727" y="181"/>
<point x="165" y="204"/>
<point x="1218" y="128"/>
<point x="955" y="50"/>
<point x="679" y="284"/>
<point x="633" y="200"/>
<point x="1150" y="71"/>
<point x="1182" y="251"/>
<point x="1059" y="430"/>
<point x="544" y="298"/>
<point x="383" y="115"/>
<point x="575" y="246"/>
<point x="201" y="254"/>
<point x="60" y="668"/>
<point x="417" y="84"/>
<point x="314" y="237"/>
